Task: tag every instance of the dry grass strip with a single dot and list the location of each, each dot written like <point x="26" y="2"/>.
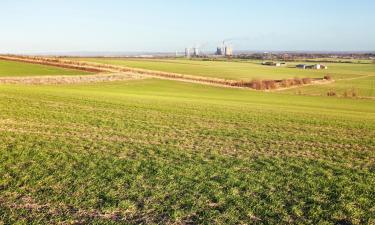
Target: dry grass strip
<point x="69" y="79"/>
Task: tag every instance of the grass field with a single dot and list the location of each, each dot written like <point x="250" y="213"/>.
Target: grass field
<point x="20" y="69"/>
<point x="247" y="70"/>
<point x="362" y="86"/>
<point x="354" y="76"/>
<point x="153" y="151"/>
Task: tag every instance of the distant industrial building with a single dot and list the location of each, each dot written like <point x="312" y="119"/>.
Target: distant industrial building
<point x="187" y="52"/>
<point x="224" y="50"/>
<point x="228" y="51"/>
<point x="312" y="67"/>
<point x="195" y="52"/>
<point x="220" y="51"/>
<point x="192" y="52"/>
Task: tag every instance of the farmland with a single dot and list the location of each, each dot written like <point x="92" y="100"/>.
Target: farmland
<point x="161" y="151"/>
<point x="245" y="70"/>
<point x="357" y="77"/>
<point x="17" y="69"/>
<point x="363" y="86"/>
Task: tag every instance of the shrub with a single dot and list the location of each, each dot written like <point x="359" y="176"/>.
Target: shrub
<point x="269" y="84"/>
<point x="306" y="80"/>
<point x="350" y="93"/>
<point x="247" y="84"/>
<point x="287" y="82"/>
<point x="327" y="77"/>
<point x="346" y="94"/>
<point x="257" y="84"/>
<point x="331" y="93"/>
<point x="240" y="83"/>
<point x="284" y="83"/>
<point x="297" y="81"/>
<point x="354" y="93"/>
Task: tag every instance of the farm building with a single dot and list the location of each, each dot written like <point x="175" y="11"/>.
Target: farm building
<point x="277" y="64"/>
<point x="313" y="67"/>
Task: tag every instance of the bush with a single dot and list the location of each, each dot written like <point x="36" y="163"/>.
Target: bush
<point x="354" y="93"/>
<point x="287" y="83"/>
<point x="297" y="81"/>
<point x="346" y="94"/>
<point x="243" y="84"/>
<point x="350" y="93"/>
<point x="269" y="84"/>
<point x="306" y="80"/>
<point x="331" y="93"/>
<point x="327" y="77"/>
<point x="257" y="84"/>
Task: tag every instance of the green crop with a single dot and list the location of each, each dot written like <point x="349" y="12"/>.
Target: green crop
<point x="153" y="151"/>
<point x="21" y="69"/>
<point x="245" y="70"/>
<point x="349" y="77"/>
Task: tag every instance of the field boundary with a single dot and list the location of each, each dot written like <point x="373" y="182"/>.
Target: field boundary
<point x="322" y="82"/>
<point x="69" y="79"/>
<point x="100" y="68"/>
<point x="44" y="61"/>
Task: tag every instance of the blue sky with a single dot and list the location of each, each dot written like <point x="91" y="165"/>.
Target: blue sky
<point x="170" y="25"/>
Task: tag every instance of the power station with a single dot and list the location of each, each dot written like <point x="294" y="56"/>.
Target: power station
<point x="187" y="52"/>
<point x="225" y="50"/>
<point x="192" y="52"/>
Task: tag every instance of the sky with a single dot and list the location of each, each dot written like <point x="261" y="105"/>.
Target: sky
<point x="36" y="26"/>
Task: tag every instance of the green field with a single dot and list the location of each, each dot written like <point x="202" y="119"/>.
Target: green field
<point x="348" y="76"/>
<point x="362" y="86"/>
<point x="153" y="151"/>
<point x="20" y="69"/>
<point x="246" y="70"/>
